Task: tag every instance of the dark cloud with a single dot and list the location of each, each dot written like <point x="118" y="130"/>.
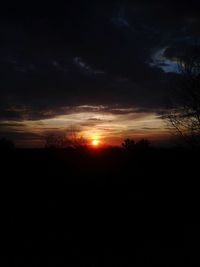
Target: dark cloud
<point x="72" y="53"/>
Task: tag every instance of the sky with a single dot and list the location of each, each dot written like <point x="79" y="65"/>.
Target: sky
<point x="104" y="68"/>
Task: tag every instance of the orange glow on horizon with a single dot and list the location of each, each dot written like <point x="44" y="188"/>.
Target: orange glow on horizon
<point x="98" y="127"/>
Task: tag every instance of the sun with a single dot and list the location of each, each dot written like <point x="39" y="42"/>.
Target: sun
<point x="95" y="142"/>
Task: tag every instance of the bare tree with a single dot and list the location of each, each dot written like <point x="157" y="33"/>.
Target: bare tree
<point x="71" y="139"/>
<point x="56" y="141"/>
<point x="77" y="141"/>
<point x="183" y="114"/>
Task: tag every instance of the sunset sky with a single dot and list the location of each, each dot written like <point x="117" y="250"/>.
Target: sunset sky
<point x="102" y="67"/>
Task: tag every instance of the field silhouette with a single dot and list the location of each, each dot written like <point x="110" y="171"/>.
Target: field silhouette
<point x="109" y="207"/>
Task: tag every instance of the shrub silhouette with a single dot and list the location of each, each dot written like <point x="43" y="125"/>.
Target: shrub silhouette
<point x="142" y="144"/>
<point x="130" y="144"/>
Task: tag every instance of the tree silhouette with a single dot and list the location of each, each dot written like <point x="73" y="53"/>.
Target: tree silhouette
<point x="183" y="113"/>
<point x="77" y="141"/>
<point x="128" y="144"/>
<point x="58" y="141"/>
<point x="142" y="144"/>
<point x="55" y="141"/>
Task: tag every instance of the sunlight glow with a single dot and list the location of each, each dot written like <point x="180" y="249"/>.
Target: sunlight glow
<point x="97" y="126"/>
<point x="95" y="142"/>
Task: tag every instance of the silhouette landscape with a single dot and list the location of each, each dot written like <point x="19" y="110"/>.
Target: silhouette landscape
<point x="100" y="133"/>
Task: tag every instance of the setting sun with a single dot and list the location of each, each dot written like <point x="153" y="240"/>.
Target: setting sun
<point x="95" y="142"/>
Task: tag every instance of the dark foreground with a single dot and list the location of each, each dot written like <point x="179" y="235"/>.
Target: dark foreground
<point x="109" y="208"/>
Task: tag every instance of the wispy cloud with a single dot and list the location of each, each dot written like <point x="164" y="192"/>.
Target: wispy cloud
<point x="110" y="125"/>
<point x="159" y="60"/>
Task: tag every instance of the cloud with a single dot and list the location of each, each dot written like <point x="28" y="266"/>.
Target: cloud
<point x="159" y="60"/>
<point x="113" y="57"/>
<point x="85" y="68"/>
<point x="64" y="60"/>
<point x="100" y="121"/>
